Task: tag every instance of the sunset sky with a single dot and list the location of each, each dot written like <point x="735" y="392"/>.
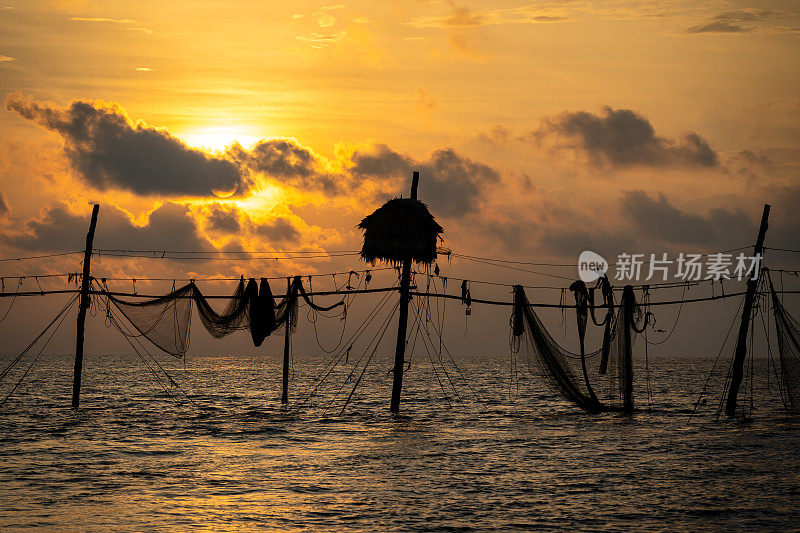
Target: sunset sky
<point x="540" y="129"/>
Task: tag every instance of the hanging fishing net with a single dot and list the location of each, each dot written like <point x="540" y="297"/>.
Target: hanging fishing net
<point x="788" y="332"/>
<point x="567" y="373"/>
<point x="166" y="321"/>
<point x="163" y="321"/>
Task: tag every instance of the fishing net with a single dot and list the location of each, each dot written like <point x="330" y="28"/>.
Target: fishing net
<point x="163" y="321"/>
<point x="566" y="372"/>
<point x="166" y="321"/>
<point x="788" y="332"/>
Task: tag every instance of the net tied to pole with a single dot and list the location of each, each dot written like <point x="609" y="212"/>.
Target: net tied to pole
<point x="166" y="321"/>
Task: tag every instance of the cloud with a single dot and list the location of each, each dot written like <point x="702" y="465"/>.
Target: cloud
<point x="124" y="22"/>
<point x="109" y="150"/>
<point x="425" y="101"/>
<point x="280" y="230"/>
<point x="449" y="180"/>
<point x="380" y="161"/>
<point x="103" y="19"/>
<point x="497" y="136"/>
<point x="656" y="219"/>
<point x="622" y="138"/>
<point x="323" y="16"/>
<point x="170" y="227"/>
<point x="455" y="182"/>
<point x="731" y="21"/>
<point x="228" y="220"/>
<point x="5" y="209"/>
<point x="322" y="40"/>
<point x="460" y="16"/>
<point x="719" y="27"/>
<point x="286" y="161"/>
<point x="5" y="59"/>
<point x="570" y="242"/>
<point x="222" y="219"/>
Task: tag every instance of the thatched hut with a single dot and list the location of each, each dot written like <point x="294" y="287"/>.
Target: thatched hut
<point x="401" y="228"/>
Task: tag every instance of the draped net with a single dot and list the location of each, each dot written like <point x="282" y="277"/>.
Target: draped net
<point x="788" y="332"/>
<point x="561" y="368"/>
<point x="166" y="321"/>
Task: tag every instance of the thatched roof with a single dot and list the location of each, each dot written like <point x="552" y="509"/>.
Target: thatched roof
<point x="401" y="228"/>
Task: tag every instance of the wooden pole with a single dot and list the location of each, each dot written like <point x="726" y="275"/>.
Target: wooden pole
<point x="627" y="357"/>
<point x="287" y="344"/>
<point x="402" y="325"/>
<point x="737" y="370"/>
<point x="84" y="305"/>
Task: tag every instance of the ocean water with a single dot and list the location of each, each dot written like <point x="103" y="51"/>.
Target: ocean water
<point x="485" y="452"/>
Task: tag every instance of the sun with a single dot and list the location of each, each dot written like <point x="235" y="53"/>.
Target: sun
<point x="218" y="138"/>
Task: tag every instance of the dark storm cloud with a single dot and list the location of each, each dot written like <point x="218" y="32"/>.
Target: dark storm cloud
<point x="170" y="228"/>
<point x="450" y="182"/>
<point x="621" y="137"/>
<point x="279" y="230"/>
<point x="656" y="219"/>
<point x="109" y="151"/>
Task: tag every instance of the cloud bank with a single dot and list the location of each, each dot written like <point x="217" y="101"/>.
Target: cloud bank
<point x="109" y="150"/>
<point x="622" y="137"/>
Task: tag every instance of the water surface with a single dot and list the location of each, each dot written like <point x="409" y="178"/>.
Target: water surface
<point x="489" y="453"/>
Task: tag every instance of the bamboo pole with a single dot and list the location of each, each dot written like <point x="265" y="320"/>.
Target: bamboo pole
<point x="402" y="325"/>
<point x="84" y="305"/>
<point x="737" y="368"/>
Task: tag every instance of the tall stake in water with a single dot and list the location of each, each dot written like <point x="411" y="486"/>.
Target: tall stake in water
<point x="402" y="326"/>
<point x="287" y="348"/>
<point x="737" y="369"/>
<point x="84" y="305"/>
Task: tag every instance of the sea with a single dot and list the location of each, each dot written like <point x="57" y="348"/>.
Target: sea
<point x="480" y="444"/>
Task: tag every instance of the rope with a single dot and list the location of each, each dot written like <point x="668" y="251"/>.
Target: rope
<point x="452" y="360"/>
<point x="573" y="265"/>
<point x="62" y="315"/>
<point x="13" y="300"/>
<point x="358" y="381"/>
<point x="674" y="324"/>
<point x="425" y="343"/>
<point x="719" y="354"/>
<point x="190" y="257"/>
<point x="26" y="258"/>
<point x="331" y="365"/>
<point x="128" y="336"/>
<point x="36" y="339"/>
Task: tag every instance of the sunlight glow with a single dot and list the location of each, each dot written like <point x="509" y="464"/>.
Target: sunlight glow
<point x="217" y="139"/>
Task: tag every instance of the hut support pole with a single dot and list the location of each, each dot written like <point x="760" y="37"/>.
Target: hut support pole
<point x="287" y="348"/>
<point x="737" y="370"/>
<point x="84" y="305"/>
<point x="402" y="326"/>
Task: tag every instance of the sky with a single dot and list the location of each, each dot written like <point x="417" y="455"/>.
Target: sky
<point x="540" y="129"/>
